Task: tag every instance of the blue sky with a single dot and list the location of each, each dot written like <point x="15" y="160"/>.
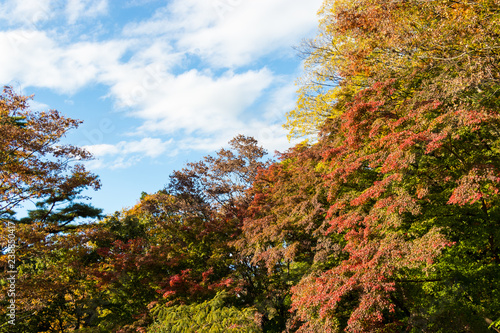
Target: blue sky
<point x="157" y="83"/>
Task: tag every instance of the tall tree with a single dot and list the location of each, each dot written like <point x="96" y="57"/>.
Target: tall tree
<point x="410" y="137"/>
<point x="175" y="246"/>
<point x="48" y="246"/>
<point x="284" y="231"/>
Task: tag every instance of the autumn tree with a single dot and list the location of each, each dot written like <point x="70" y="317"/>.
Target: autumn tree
<point x="33" y="163"/>
<point x="405" y="94"/>
<point x="449" y="47"/>
<point x="50" y="242"/>
<point x="153" y="253"/>
<point x="220" y="183"/>
<point x="174" y="247"/>
<point x="284" y="231"/>
<point x="211" y="197"/>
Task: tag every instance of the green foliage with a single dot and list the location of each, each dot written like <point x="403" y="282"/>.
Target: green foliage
<point x="211" y="316"/>
<point x="495" y="324"/>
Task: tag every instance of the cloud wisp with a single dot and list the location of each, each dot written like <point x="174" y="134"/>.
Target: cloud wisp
<point x="127" y="153"/>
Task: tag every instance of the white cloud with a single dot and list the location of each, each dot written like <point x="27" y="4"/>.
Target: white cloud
<point x="229" y="33"/>
<point x="176" y="19"/>
<point x="147" y="146"/>
<point x="253" y="29"/>
<point x="263" y="123"/>
<point x="37" y="60"/>
<point x="28" y="13"/>
<point x="270" y="136"/>
<point x="33" y="14"/>
<point x="151" y="147"/>
<point x="37" y="106"/>
<point x="281" y="101"/>
<point x="103" y="149"/>
<point x="197" y="102"/>
<point x="127" y="153"/>
<point x="79" y="9"/>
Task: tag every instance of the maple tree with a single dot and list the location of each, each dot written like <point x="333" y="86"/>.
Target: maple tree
<point x="151" y="253"/>
<point x="283" y="232"/>
<point x="410" y="137"/>
<point x="220" y="183"/>
<point x="450" y="46"/>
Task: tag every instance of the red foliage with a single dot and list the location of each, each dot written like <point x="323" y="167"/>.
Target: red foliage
<point x="383" y="160"/>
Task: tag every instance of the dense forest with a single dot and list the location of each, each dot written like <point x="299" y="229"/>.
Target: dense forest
<point x="386" y="218"/>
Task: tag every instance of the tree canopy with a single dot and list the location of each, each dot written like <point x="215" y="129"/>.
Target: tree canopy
<point x="407" y="92"/>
